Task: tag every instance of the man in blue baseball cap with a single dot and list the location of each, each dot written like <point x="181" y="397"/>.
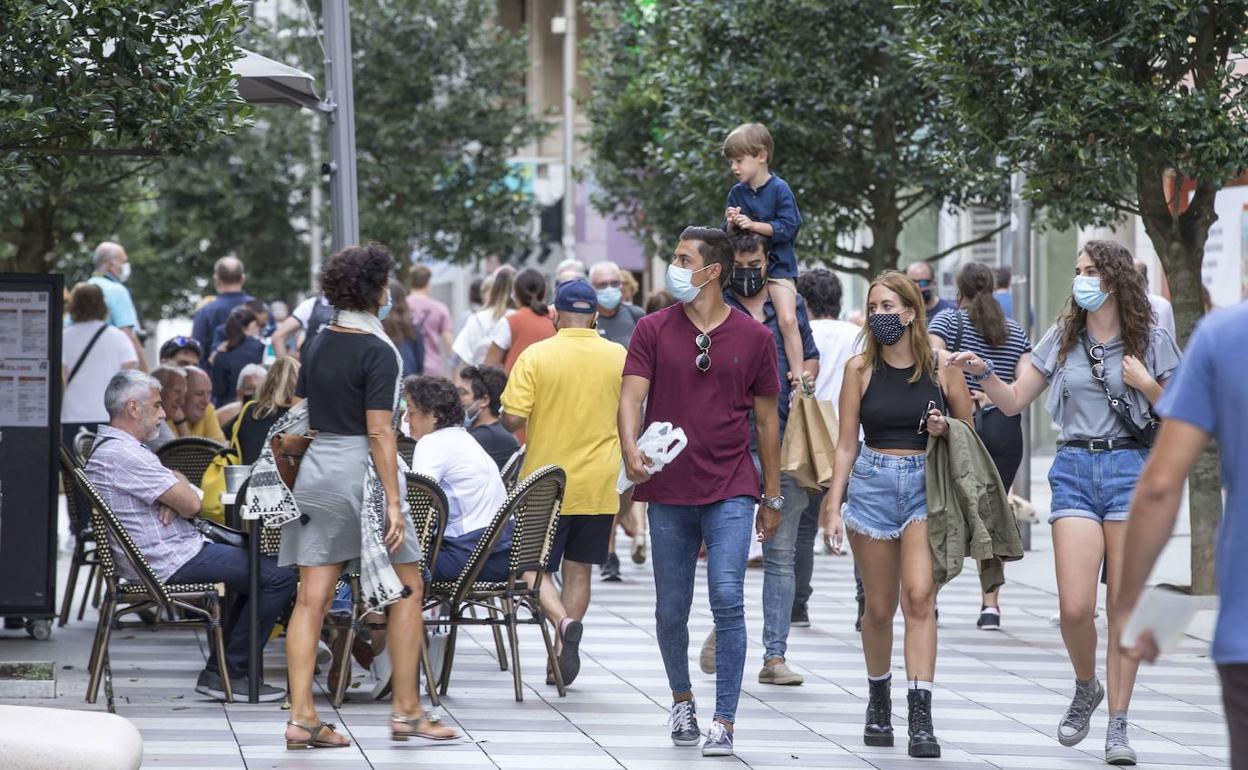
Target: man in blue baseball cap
<point x="564" y="392"/>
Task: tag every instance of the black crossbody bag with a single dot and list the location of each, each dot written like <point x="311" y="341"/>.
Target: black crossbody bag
<point x="1121" y="407"/>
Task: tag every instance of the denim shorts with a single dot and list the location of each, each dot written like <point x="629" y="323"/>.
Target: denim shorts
<point x="1094" y="485"/>
<point x="886" y="494"/>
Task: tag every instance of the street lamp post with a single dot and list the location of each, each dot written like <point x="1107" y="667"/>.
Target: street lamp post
<point x="1020" y="289"/>
<point x="340" y="98"/>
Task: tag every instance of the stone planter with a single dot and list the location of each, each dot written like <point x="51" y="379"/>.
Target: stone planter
<point x="28" y="680"/>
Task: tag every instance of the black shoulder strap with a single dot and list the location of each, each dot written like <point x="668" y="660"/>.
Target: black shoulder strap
<point x="85" y="353"/>
<point x="1117" y="404"/>
<point x="957" y="339"/>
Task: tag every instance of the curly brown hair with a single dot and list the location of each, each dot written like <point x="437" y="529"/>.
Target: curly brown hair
<point x="352" y="279"/>
<point x="436" y="396"/>
<point x="1118" y="277"/>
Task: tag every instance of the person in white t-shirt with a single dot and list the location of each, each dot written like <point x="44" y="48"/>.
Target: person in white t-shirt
<point x="309" y="316"/>
<point x="473" y="341"/>
<point x="447" y="453"/>
<point x="91" y="353"/>
<point x="837" y="341"/>
<point x="1161" y="306"/>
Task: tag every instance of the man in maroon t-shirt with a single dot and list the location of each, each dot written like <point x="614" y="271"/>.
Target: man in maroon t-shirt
<point x="703" y="367"/>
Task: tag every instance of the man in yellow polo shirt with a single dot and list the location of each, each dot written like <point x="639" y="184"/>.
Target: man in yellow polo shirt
<point x="565" y="391"/>
<point x="199" y="416"/>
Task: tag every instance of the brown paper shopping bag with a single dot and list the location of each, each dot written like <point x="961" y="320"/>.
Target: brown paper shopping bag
<point x="809" y="445"/>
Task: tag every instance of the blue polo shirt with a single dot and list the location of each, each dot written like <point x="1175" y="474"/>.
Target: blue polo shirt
<point x="773" y="203"/>
<point x="809" y="350"/>
<point x="1209" y="391"/>
<point x="121" y="311"/>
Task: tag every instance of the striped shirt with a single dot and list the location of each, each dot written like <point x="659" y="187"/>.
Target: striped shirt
<point x="131" y="480"/>
<point x="1003" y="357"/>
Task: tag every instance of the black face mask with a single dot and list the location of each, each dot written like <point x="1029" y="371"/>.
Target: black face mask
<point x="747" y="281"/>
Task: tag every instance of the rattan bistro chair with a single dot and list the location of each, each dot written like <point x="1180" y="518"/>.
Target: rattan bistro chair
<point x="406" y="446"/>
<point x="429" y="510"/>
<point x="535" y="506"/>
<point x="190" y="456"/>
<point x="83" y="443"/>
<point x="85" y="544"/>
<point x="199" y="603"/>
<point x="511" y="469"/>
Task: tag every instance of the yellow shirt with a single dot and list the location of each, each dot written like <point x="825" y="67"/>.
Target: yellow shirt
<point x="568" y="388"/>
<point x="207" y="427"/>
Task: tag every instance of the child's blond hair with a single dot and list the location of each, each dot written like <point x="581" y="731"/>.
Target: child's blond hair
<point x="751" y="139"/>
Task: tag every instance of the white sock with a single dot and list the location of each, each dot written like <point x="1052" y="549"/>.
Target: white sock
<point x="916" y="684"/>
<point x="993" y="610"/>
<point x="881" y="678"/>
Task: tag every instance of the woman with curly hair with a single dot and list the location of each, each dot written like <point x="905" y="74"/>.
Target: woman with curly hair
<point x="1107" y="361"/>
<point x="894" y="391"/>
<point x="348" y="489"/>
<point x="474" y="491"/>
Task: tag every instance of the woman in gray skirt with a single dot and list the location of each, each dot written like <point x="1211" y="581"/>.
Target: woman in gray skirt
<point x="350" y="378"/>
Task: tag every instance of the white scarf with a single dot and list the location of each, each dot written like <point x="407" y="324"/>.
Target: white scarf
<point x="268" y="496"/>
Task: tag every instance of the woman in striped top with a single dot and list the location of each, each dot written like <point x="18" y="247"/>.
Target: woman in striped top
<point x="981" y="327"/>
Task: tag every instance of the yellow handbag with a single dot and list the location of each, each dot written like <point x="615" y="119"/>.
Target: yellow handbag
<point x="213" y="483"/>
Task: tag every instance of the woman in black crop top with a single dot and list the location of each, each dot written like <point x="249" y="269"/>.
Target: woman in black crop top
<point x="893" y="391"/>
<point x="350" y="378"/>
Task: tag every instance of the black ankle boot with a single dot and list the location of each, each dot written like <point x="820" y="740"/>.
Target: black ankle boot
<point x="923" y="742"/>
<point x="879" y="729"/>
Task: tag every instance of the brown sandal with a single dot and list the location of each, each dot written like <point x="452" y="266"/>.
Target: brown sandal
<point x="312" y="741"/>
<point x="420" y="728"/>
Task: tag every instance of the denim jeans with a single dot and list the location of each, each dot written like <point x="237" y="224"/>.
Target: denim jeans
<point x="218" y="563"/>
<point x="676" y="535"/>
<point x="778" y="571"/>
<point x="804" y="550"/>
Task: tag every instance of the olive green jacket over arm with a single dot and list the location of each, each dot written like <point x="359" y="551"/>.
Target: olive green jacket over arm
<point x="968" y="511"/>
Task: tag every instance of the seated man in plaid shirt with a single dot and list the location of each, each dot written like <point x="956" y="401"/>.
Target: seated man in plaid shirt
<point x="155" y="505"/>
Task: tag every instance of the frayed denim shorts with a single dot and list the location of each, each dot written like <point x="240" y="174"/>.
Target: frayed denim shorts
<point x="886" y="494"/>
<point x="1094" y="485"/>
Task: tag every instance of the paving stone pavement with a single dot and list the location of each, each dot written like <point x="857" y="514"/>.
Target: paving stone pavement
<point x="997" y="701"/>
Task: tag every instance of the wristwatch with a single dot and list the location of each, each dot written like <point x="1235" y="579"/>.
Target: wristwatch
<point x="774" y="503"/>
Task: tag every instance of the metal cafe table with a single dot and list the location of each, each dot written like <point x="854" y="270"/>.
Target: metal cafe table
<point x="234" y="518"/>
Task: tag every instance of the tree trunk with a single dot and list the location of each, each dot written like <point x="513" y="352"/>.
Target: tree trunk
<point x="33" y="242"/>
<point x="1179" y="239"/>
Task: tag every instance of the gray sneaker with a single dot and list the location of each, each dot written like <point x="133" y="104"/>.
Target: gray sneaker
<point x="1118" y="750"/>
<point x="718" y="742"/>
<point x="684" y="723"/>
<point x="1077" y="720"/>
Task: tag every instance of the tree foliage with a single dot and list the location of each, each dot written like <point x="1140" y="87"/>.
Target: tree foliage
<point x="1110" y="108"/>
<point x="859" y="138"/>
<point x="91" y="93"/>
<point x="440" y="110"/>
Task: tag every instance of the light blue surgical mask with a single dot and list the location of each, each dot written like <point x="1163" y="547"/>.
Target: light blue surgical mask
<point x="471" y="417"/>
<point x="609" y="298"/>
<point x="1088" y="293"/>
<point x="680" y="283"/>
<point x="384" y="310"/>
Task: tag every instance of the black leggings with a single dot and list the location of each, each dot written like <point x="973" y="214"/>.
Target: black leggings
<point x="1003" y="437"/>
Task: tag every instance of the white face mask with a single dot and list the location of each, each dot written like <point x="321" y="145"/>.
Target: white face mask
<point x="123" y="274"/>
<point x="680" y="283"/>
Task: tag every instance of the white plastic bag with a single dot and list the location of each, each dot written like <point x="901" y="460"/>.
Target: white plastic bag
<point x="661" y="443"/>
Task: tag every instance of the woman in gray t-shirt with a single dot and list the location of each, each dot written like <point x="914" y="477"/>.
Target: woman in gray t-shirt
<point x="1106" y="344"/>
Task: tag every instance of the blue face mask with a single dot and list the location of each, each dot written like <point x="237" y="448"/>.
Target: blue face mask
<point x="680" y="283"/>
<point x="470" y="417"/>
<point x="609" y="298"/>
<point x="384" y="310"/>
<point x="1088" y="293"/>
